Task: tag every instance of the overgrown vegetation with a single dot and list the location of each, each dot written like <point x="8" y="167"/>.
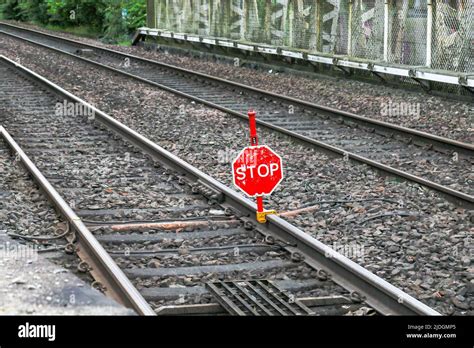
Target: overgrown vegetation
<point x="114" y="20"/>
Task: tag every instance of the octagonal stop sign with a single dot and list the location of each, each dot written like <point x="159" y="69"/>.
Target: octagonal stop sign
<point x="257" y="170"/>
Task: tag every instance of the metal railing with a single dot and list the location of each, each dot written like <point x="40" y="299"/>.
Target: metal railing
<point x="430" y="33"/>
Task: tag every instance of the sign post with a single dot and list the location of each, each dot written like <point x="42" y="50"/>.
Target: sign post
<point x="257" y="170"/>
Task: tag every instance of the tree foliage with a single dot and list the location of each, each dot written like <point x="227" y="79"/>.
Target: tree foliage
<point x="113" y="18"/>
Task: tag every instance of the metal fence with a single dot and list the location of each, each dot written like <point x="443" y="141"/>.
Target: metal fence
<point x="408" y="26"/>
<point x="433" y="33"/>
<point x="453" y="35"/>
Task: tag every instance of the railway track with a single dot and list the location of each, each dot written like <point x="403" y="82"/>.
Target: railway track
<point x="441" y="164"/>
<point x="39" y="270"/>
<point x="24" y="212"/>
<point x="162" y="237"/>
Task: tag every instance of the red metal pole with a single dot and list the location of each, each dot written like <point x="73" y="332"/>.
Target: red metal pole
<point x="259" y="204"/>
<point x="254" y="142"/>
<point x="253" y="128"/>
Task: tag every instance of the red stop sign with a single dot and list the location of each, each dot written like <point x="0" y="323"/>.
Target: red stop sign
<point x="257" y="170"/>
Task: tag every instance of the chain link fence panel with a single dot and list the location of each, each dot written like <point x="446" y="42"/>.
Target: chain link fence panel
<point x="453" y="35"/>
<point x="367" y="28"/>
<point x="395" y="31"/>
<point x="407" y="32"/>
<point x="334" y="27"/>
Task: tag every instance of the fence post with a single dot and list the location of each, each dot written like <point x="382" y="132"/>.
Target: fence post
<point x="385" y="32"/>
<point x="429" y="32"/>
<point x="319" y="27"/>
<point x="151" y="14"/>
<point x="349" y="31"/>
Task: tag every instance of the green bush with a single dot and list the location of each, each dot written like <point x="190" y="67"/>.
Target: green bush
<point x="114" y="19"/>
<point x="59" y="12"/>
<point x="90" y="12"/>
<point x="33" y="11"/>
<point x="136" y="14"/>
<point x="10" y="9"/>
<point x="115" y="26"/>
<point x="76" y="13"/>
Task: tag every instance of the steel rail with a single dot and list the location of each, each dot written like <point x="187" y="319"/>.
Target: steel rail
<point x="457" y="197"/>
<point x="325" y="110"/>
<point x="104" y="268"/>
<point x="376" y="292"/>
